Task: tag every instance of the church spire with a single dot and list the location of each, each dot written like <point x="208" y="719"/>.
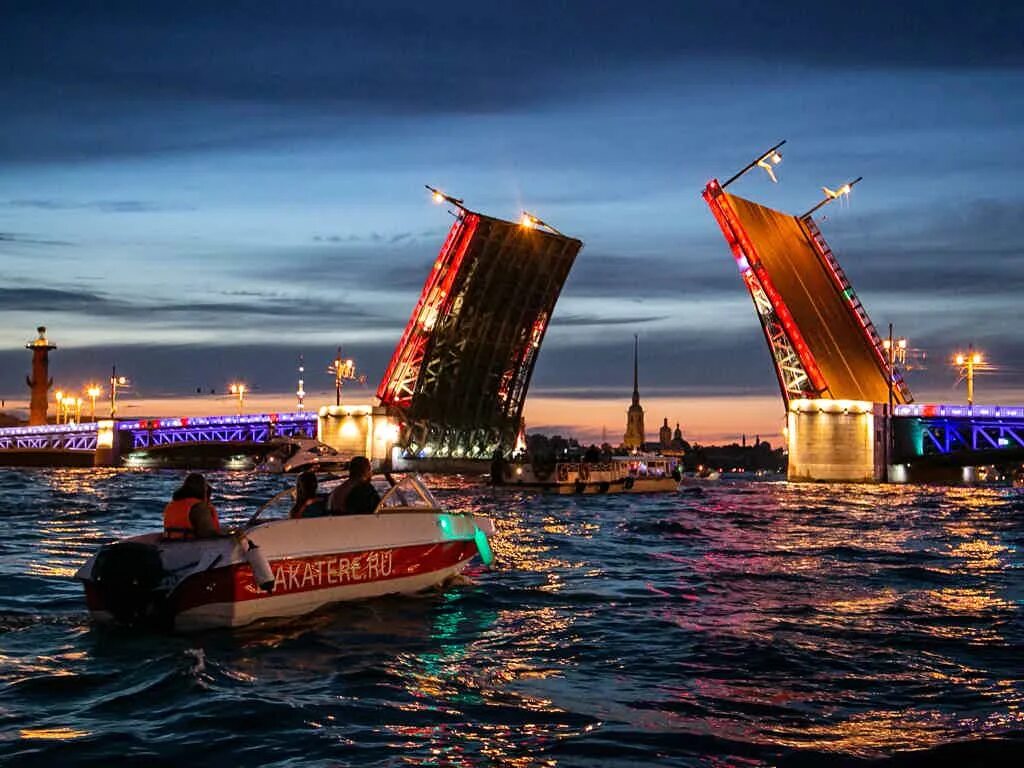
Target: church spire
<point x="636" y="369"/>
<point x="634" y="437"/>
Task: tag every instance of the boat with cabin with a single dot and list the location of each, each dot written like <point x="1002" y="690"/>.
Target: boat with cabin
<point x="620" y="474"/>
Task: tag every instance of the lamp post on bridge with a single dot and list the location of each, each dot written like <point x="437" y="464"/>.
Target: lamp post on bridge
<point x="967" y="364"/>
<point x="344" y="369"/>
<point x="239" y="389"/>
<point x="93" y="391"/>
<point x="115" y="382"/>
<point x="895" y="352"/>
<point x="833" y="194"/>
<point x="766" y="161"/>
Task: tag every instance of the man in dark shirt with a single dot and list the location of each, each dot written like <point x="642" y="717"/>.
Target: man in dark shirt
<point x="356" y="496"/>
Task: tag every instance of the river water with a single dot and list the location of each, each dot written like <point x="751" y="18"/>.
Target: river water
<point x="740" y="625"/>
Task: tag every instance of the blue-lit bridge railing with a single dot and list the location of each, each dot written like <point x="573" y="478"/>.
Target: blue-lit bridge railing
<point x="50" y="437"/>
<point x="106" y="441"/>
<point x="254" y="428"/>
<point x="924" y="430"/>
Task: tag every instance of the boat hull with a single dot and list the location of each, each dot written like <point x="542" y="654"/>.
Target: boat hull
<point x="314" y="563"/>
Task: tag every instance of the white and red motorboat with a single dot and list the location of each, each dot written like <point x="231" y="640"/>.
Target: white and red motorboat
<point x="284" y="567"/>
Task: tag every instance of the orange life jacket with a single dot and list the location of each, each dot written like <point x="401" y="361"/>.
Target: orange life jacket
<point x="177" y="524"/>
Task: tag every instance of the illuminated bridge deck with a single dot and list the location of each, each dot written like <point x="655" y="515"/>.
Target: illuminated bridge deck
<point x="139" y="434"/>
<point x="923" y="430"/>
<point x="840" y="337"/>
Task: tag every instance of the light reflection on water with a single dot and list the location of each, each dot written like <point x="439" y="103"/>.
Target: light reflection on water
<point x="748" y="624"/>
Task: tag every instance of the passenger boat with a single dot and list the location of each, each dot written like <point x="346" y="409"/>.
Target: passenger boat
<point x="284" y="567"/>
<point x="626" y="474"/>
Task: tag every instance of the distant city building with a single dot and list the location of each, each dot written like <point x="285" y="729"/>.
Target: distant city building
<point x="665" y="435"/>
<point x="633" y="440"/>
<point x="678" y="444"/>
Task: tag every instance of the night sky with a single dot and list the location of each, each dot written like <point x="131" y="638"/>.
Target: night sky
<point x="200" y="192"/>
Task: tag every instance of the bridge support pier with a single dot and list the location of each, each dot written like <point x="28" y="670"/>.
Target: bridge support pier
<point x="840" y="441"/>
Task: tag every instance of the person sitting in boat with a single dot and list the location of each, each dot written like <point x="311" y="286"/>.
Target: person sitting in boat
<point x="189" y="514"/>
<point x="356" y="496"/>
<point x="308" y="503"/>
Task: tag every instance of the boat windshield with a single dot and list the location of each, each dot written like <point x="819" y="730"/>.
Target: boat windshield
<point x="408" y="492"/>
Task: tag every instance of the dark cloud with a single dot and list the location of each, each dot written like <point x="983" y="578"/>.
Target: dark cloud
<point x="143" y="78"/>
<point x="233" y="314"/>
<point x="104" y="206"/>
<point x="595" y="321"/>
<point x="12" y="237"/>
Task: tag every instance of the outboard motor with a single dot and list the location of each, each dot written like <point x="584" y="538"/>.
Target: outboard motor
<point x="127" y="575"/>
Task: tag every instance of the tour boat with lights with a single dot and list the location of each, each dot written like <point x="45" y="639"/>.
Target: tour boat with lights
<point x="283" y="568"/>
<point x="625" y="474"/>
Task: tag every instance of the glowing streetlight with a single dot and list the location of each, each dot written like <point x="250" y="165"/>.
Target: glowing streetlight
<point x="239" y="389"/>
<point x="93" y="391"/>
<point x="59" y="397"/>
<point x="765" y="161"/>
<point x="528" y="221"/>
<point x="966" y="365"/>
<point x="833" y="194"/>
<point x="300" y="393"/>
<point x="440" y="197"/>
<point x="343" y="369"/>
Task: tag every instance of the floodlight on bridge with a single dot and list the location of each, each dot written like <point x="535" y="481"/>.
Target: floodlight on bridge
<point x="440" y="197"/>
<point x="766" y="161"/>
<point x="833" y="194"/>
<point x="529" y="221"/>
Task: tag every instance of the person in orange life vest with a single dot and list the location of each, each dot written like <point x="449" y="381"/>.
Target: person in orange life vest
<point x="189" y="514"/>
<point x="307" y="502"/>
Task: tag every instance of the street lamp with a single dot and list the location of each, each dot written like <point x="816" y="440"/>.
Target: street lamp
<point x="440" y="197"/>
<point x="115" y="382"/>
<point x="528" y="221"/>
<point x="59" y="397"/>
<point x="239" y="389"/>
<point x="766" y="161"/>
<point x="967" y="364"/>
<point x="343" y="369"/>
<point x="895" y="352"/>
<point x="833" y="194"/>
<point x="93" y="392"/>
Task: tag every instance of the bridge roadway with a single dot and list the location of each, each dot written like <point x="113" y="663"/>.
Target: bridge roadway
<point x="837" y="337"/>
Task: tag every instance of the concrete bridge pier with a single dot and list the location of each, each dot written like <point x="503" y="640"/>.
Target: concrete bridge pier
<point x="840" y="441"/>
<point x="109" y="444"/>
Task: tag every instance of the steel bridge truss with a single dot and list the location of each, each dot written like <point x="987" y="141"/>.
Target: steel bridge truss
<point x="795" y="367"/>
<point x="458" y="379"/>
<point x="946" y="436"/>
<point x="145" y="435"/>
<point x="76" y="438"/>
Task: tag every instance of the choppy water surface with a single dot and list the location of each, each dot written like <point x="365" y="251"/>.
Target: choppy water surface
<point x="738" y="625"/>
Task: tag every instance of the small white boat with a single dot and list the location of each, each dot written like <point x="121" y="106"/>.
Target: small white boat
<point x="299" y="454"/>
<point x="284" y="567"/>
<point x="700" y="478"/>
